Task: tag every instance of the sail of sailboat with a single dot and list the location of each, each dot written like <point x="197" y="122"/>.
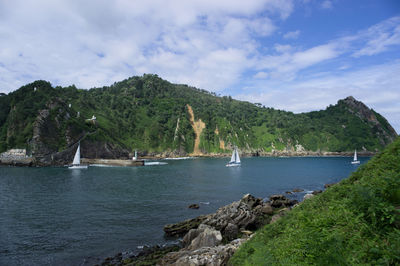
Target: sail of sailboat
<point x="76" y="163"/>
<point x="235" y="159"/>
<point x="355" y="161"/>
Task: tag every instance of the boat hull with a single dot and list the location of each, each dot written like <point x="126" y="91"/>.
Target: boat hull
<point x="232" y="164"/>
<point x="78" y="167"/>
<point x="355" y="162"/>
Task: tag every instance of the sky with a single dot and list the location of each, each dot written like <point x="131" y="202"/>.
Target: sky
<point x="293" y="55"/>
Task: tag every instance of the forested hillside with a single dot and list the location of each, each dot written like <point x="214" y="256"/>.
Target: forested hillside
<point x="154" y="116"/>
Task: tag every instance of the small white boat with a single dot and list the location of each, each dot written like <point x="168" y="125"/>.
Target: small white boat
<point x="355" y="161"/>
<point x="235" y="159"/>
<point x="76" y="164"/>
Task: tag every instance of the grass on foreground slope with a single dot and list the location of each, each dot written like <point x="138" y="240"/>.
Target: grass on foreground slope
<point x="354" y="222"/>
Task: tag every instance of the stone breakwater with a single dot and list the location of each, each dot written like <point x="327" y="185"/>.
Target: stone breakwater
<point x="212" y="239"/>
<point x="16" y="157"/>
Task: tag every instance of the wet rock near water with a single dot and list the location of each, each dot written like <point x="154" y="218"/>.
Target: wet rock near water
<point x="204" y="236"/>
<point x="329" y="185"/>
<point x="217" y="255"/>
<point x="308" y="196"/>
<point x="148" y="256"/>
<point x="232" y="224"/>
<point x="242" y="213"/>
<point x="315" y="192"/>
<point x="212" y="239"/>
<point x="231" y="231"/>
<point x="280" y="201"/>
<point x="27" y="161"/>
<point x="248" y="213"/>
<point x="194" y="206"/>
<point x="182" y="228"/>
<point x="267" y="209"/>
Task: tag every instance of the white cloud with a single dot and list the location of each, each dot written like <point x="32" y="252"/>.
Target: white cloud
<point x="261" y="75"/>
<point x="287" y="64"/>
<point x="225" y="66"/>
<point x="94" y="43"/>
<point x="282" y="48"/>
<point x="380" y="37"/>
<point x="326" y="4"/>
<point x="376" y="86"/>
<point x="284" y="7"/>
<point x="290" y="60"/>
<point x="103" y="40"/>
<point x="292" y="34"/>
<point x="262" y="26"/>
<point x="314" y="55"/>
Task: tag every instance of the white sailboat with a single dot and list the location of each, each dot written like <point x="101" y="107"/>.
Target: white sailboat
<point x="355" y="161"/>
<point x="76" y="164"/>
<point x="235" y="159"/>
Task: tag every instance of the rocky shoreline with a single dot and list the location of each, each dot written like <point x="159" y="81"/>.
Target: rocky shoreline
<point x="212" y="239"/>
<point x="260" y="153"/>
<point x="26" y="162"/>
<point x="34" y="162"/>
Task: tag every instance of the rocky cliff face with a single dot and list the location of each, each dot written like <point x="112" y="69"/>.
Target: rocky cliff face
<point x="385" y="131"/>
<point x="47" y="129"/>
<point x="100" y="149"/>
<point x="55" y="138"/>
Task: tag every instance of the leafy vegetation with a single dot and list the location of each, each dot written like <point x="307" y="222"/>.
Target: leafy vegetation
<point x="150" y="114"/>
<point x="356" y="222"/>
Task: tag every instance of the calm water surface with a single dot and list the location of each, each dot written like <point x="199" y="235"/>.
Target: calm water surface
<point x="57" y="216"/>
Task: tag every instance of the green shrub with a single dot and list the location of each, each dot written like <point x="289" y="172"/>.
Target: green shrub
<point x="355" y="222"/>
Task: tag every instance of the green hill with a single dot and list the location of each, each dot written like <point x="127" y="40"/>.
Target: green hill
<point x="154" y="116"/>
<point x="356" y="222"/>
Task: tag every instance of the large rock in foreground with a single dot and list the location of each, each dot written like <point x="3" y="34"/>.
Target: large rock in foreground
<point x="249" y="213"/>
<point x="182" y="228"/>
<point x="217" y="255"/>
<point x="245" y="214"/>
<point x="204" y="234"/>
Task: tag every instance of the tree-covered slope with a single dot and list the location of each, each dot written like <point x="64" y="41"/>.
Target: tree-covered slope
<point x="356" y="222"/>
<point x="152" y="115"/>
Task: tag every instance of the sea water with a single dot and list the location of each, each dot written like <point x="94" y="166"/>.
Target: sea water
<point x="58" y="216"/>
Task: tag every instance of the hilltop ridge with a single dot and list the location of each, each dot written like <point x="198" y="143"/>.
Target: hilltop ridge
<point x="367" y="114"/>
<point x="153" y="116"/>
